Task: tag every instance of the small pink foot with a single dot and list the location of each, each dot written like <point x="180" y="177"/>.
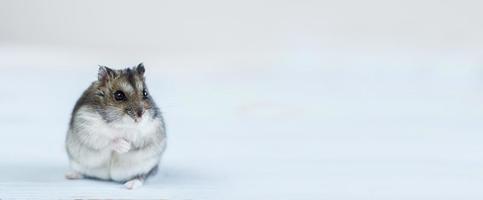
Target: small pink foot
<point x="72" y="175"/>
<point x="133" y="184"/>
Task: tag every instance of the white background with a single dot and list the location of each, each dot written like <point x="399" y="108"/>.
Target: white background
<point x="263" y="99"/>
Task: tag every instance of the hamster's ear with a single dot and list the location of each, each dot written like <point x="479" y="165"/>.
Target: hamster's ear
<point x="105" y="73"/>
<point x="140" y="69"/>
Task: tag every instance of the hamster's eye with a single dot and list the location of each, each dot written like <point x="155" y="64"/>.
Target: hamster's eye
<point x="119" y="95"/>
<point x="145" y="94"/>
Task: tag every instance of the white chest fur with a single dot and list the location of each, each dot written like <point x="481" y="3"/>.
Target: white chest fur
<point x="135" y="132"/>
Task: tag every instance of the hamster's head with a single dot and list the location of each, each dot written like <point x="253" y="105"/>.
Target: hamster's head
<point x="123" y="95"/>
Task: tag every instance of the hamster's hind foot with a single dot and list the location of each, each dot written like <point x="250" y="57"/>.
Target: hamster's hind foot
<point x="72" y="175"/>
<point x="133" y="184"/>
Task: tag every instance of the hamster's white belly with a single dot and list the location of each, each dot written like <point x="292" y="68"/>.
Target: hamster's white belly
<point x="110" y="165"/>
<point x="90" y="153"/>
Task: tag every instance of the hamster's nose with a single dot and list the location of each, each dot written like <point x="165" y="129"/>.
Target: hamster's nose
<point x="140" y="112"/>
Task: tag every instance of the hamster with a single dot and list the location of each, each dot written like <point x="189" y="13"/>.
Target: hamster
<point x="116" y="131"/>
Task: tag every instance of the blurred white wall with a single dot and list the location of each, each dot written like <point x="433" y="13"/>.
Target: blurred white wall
<point x="247" y="26"/>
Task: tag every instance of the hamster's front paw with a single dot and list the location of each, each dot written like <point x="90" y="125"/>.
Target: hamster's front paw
<point x="121" y="145"/>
